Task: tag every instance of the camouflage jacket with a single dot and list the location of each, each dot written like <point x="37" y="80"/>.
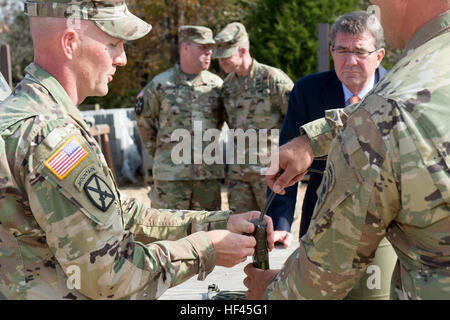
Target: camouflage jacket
<point x="387" y="175"/>
<point x="5" y="90"/>
<point x="168" y="111"/>
<point x="66" y="232"/>
<point x="257" y="101"/>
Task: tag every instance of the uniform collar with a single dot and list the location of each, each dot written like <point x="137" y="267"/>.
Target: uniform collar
<point x="254" y="69"/>
<point x="59" y="94"/>
<point x="430" y="30"/>
<point x="245" y="80"/>
<point x="183" y="78"/>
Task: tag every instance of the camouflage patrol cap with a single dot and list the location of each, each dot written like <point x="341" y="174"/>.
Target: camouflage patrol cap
<point x="229" y="39"/>
<point x="110" y="16"/>
<point x="196" y="34"/>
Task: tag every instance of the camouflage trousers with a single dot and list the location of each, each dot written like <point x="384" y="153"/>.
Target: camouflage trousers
<point x="186" y="195"/>
<point x="246" y="196"/>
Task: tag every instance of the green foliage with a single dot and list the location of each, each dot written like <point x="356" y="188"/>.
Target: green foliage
<point x="21" y="48"/>
<point x="14" y="30"/>
<point x="283" y="33"/>
<point x="158" y="51"/>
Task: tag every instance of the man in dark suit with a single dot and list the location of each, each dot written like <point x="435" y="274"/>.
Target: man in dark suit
<point x="356" y="48"/>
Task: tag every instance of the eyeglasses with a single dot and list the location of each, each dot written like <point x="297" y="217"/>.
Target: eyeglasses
<point x="360" y="53"/>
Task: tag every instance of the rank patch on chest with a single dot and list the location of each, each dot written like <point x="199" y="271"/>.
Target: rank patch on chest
<point x="66" y="158"/>
<point x="99" y="192"/>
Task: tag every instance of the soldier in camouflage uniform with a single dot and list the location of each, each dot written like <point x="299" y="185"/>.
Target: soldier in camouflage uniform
<point x="255" y="97"/>
<point x="66" y="232"/>
<point x="5" y="90"/>
<point x="185" y="97"/>
<point x="387" y="173"/>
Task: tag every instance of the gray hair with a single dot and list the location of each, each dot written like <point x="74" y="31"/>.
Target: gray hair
<point x="358" y="22"/>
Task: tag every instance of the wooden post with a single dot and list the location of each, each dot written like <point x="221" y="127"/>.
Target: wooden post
<point x="323" y="50"/>
<point x="102" y="131"/>
<point x="5" y="64"/>
<point x="107" y="153"/>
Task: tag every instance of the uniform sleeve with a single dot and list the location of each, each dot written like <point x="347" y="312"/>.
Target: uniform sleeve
<point x="282" y="87"/>
<point x="357" y="200"/>
<point x="5" y="90"/>
<point x="84" y="219"/>
<point x="321" y="132"/>
<point x="147" y="117"/>
<point x="149" y="224"/>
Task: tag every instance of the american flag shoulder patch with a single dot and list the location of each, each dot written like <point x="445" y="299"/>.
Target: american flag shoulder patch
<point x="66" y="158"/>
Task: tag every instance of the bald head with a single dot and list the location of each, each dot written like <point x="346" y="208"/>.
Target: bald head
<point x="402" y="18"/>
<point x="80" y="43"/>
<point x="81" y="56"/>
<point x="48" y="36"/>
<point x="44" y="27"/>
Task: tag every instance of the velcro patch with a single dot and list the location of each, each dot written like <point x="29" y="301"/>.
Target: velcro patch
<point x="84" y="175"/>
<point x="99" y="192"/>
<point x="66" y="158"/>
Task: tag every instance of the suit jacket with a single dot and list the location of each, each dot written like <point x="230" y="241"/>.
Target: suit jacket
<point x="309" y="99"/>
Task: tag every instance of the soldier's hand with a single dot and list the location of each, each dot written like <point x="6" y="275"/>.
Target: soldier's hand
<point x="294" y="159"/>
<point x="240" y="223"/>
<point x="283" y="237"/>
<point x="257" y="281"/>
<point x="231" y="248"/>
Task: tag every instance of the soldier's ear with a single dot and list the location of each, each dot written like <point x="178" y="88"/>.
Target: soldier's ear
<point x="183" y="46"/>
<point x="70" y="42"/>
<point x="380" y="55"/>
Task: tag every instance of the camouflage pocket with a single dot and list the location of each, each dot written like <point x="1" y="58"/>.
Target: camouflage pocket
<point x="341" y="209"/>
<point x="342" y="171"/>
<point x="263" y="106"/>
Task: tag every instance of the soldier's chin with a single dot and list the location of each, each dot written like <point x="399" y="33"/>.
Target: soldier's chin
<point x="206" y="66"/>
<point x="226" y="68"/>
<point x="101" y="92"/>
